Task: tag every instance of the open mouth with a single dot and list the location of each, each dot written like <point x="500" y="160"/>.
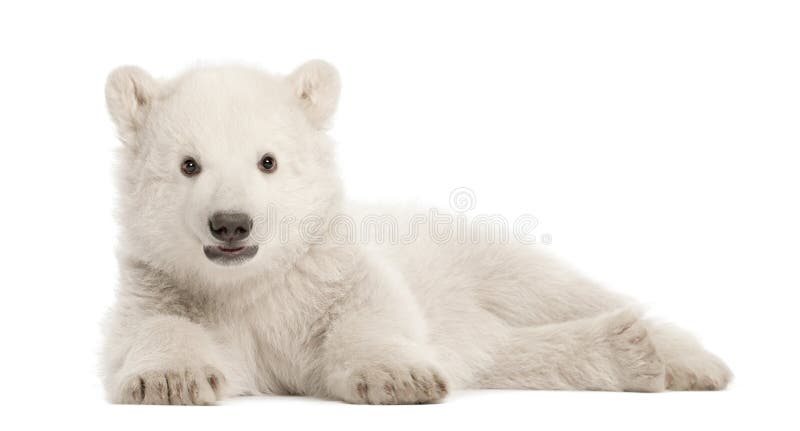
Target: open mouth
<point x="228" y="255"/>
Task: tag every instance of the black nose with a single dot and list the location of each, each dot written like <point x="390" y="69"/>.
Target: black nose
<point x="230" y="227"/>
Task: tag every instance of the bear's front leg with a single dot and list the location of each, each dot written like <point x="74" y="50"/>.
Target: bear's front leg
<point x="374" y="347"/>
<point x="388" y="376"/>
<point x="162" y="360"/>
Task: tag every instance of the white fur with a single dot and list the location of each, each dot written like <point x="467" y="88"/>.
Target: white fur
<point x="362" y="321"/>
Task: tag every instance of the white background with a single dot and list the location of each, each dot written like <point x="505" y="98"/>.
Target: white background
<point x="656" y="142"/>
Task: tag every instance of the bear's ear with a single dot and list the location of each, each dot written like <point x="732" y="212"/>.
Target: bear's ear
<point x="129" y="94"/>
<point x="316" y="87"/>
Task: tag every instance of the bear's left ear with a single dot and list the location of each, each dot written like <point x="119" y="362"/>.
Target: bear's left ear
<point x="130" y="92"/>
<point x="316" y="88"/>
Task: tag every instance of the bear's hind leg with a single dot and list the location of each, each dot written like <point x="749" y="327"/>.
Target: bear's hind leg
<point x="690" y="367"/>
<point x="611" y="352"/>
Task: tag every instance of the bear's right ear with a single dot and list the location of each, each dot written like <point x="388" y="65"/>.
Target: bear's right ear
<point x="316" y="88"/>
<point x="129" y="94"/>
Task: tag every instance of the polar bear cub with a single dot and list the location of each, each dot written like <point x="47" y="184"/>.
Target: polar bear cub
<point x="235" y="280"/>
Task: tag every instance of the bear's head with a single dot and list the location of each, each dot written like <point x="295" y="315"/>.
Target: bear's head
<point x="224" y="171"/>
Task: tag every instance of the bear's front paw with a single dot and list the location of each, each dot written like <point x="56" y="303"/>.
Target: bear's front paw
<point x="394" y="384"/>
<point x="177" y="386"/>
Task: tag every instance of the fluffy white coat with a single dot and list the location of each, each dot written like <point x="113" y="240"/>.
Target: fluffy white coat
<point x="312" y="313"/>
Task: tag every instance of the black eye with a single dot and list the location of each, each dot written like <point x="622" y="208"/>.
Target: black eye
<point x="190" y="167"/>
<point x="268" y="163"/>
